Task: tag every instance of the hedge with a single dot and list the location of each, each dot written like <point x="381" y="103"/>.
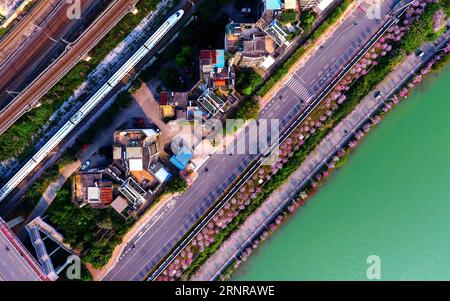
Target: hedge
<point x="16" y="140"/>
<point x="362" y="87"/>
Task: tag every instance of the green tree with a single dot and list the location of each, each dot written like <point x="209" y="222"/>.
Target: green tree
<point x="184" y="57"/>
<point x="307" y="19"/>
<point x="288" y="16"/>
<point x="177" y="184"/>
<point x="247" y="81"/>
<point x="248" y="110"/>
<point x="170" y="78"/>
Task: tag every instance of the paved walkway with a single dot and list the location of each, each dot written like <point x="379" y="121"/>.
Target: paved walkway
<point x="308" y="54"/>
<point x="104" y="138"/>
<point x="282" y="196"/>
<point x="150" y="106"/>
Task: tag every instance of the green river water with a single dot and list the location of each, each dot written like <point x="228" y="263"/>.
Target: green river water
<point x="391" y="199"/>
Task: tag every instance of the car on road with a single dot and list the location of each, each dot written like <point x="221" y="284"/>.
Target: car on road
<point x="378" y="95"/>
<point x="420" y="54"/>
<point x="85" y="165"/>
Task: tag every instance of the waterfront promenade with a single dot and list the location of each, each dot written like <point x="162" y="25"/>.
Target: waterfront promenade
<point x="272" y="207"/>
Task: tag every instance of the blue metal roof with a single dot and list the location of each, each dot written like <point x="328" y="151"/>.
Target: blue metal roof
<point x="273" y="4"/>
<point x="220" y="58"/>
<point x="181" y="159"/>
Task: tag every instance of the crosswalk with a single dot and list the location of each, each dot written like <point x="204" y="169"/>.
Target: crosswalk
<point x="299" y="89"/>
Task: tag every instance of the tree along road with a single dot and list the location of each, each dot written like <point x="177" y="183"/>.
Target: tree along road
<point x="170" y="224"/>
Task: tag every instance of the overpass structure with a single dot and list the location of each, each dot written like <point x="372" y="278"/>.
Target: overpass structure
<point x="16" y="263"/>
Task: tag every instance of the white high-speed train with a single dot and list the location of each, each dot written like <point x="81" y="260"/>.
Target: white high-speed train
<point x="90" y="104"/>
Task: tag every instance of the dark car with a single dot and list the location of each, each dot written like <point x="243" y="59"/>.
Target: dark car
<point x="246" y="11"/>
<point x="378" y="95"/>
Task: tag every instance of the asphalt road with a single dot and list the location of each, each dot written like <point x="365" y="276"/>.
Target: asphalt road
<point x="13" y="266"/>
<point x="34" y="90"/>
<point x="174" y="220"/>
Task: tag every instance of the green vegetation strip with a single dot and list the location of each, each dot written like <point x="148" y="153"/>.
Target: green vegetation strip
<point x="16" y="141"/>
<point x="361" y="88"/>
<point x="283" y="70"/>
<point x="93" y="232"/>
<point x="248" y="83"/>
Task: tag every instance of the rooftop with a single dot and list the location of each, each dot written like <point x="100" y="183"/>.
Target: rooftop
<point x="120" y="204"/>
<point x="182" y="158"/>
<point x="212" y="58"/>
<point x="273" y="4"/>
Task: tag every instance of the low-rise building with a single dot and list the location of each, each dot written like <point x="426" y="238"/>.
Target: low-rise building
<point x="93" y="187"/>
<point x="273" y="4"/>
<point x="181" y="158"/>
<point x="135" y="173"/>
<point x="135" y="166"/>
<point x="256" y="45"/>
<point x="217" y="80"/>
<point x="291" y="4"/>
<point x="213" y="69"/>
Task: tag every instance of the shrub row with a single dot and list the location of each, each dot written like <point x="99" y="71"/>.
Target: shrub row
<point x="16" y="141"/>
<point x="361" y="88"/>
<point x="282" y="71"/>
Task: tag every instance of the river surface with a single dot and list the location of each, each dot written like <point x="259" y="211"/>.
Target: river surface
<point x="391" y="199"/>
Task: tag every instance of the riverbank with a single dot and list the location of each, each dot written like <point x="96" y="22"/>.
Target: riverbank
<point x="313" y="172"/>
<point x="389" y="200"/>
<point x="362" y="78"/>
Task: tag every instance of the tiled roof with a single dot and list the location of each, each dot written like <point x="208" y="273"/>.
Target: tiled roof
<point x="106" y="195"/>
<point x="163" y="98"/>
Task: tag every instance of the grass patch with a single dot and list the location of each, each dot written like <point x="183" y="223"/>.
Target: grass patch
<point x="16" y="140"/>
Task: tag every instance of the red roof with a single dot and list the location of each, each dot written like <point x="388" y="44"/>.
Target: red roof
<point x="106" y="195"/>
<point x="209" y="56"/>
<point x="219" y="82"/>
<point x="163" y="98"/>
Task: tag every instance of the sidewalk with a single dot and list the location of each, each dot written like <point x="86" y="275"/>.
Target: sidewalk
<point x="137" y="229"/>
<point x="283" y="195"/>
<point x="68" y="170"/>
<point x="311" y="49"/>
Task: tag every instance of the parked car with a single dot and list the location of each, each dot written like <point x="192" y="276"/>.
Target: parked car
<point x="420" y="54"/>
<point x="246" y="11"/>
<point x="85" y="165"/>
<point x="378" y="95"/>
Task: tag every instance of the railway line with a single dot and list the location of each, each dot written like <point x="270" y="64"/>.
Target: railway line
<point x="78" y="117"/>
<point x="31" y="94"/>
<point x="26" y="59"/>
